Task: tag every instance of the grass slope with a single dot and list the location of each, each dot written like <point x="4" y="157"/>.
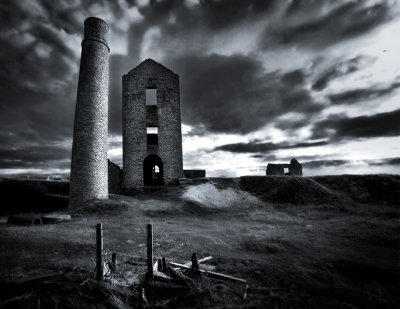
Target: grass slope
<point x="318" y="242"/>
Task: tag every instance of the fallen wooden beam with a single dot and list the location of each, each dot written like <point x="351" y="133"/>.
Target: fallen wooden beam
<point x="200" y="261"/>
<point x="210" y="273"/>
<point x="180" y="277"/>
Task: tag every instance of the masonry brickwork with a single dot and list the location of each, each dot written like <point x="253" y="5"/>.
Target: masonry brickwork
<point x="89" y="167"/>
<point x="137" y="116"/>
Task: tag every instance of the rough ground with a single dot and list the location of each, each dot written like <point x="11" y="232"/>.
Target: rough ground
<point x="322" y="242"/>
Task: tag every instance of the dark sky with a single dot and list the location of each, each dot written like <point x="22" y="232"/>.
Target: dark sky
<point x="261" y="80"/>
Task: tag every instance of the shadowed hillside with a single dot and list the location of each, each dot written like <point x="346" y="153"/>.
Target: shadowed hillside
<point x="46" y="196"/>
<point x="300" y="242"/>
<point x="365" y="189"/>
<point x="32" y="195"/>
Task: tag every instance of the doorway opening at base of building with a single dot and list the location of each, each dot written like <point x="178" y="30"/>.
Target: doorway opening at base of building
<point x="153" y="175"/>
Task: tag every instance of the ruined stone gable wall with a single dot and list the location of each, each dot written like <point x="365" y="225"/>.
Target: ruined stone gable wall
<point x="89" y="168"/>
<point x="296" y="168"/>
<point x="166" y="116"/>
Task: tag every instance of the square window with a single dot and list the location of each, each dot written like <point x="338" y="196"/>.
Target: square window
<point x="151" y="96"/>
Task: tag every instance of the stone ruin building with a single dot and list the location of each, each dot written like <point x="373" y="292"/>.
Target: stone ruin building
<point x="151" y="121"/>
<point x="151" y="118"/>
<point x="292" y="169"/>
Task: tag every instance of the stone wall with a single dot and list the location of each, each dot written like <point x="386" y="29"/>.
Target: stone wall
<point x="136" y="116"/>
<point x="89" y="169"/>
<point x="114" y="178"/>
<point x="296" y="168"/>
<point x="194" y="173"/>
<point x="275" y="169"/>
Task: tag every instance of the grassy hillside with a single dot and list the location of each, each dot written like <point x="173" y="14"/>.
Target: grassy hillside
<point x="318" y="242"/>
<point x="45" y="196"/>
<point x="365" y="189"/>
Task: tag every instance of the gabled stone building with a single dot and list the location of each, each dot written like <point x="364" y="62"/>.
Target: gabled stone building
<point x="151" y="120"/>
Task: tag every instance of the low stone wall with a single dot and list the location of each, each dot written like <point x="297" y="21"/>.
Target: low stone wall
<point x="194" y="173"/>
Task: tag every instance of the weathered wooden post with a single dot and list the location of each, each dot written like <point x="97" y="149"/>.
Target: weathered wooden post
<point x="99" y="252"/>
<point x="195" y="263"/>
<point x="114" y="261"/>
<point x="159" y="265"/>
<point x="149" y="251"/>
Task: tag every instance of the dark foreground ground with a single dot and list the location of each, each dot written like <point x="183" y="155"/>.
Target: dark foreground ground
<point x="321" y="242"/>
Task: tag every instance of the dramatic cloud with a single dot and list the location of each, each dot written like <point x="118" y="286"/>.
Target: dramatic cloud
<point x="389" y="161"/>
<point x="256" y="77"/>
<point x="265" y="147"/>
<point x="357" y="95"/>
<point x="233" y="94"/>
<point x="327" y="22"/>
<point x="323" y="163"/>
<point x="340" y="69"/>
<point x="35" y="157"/>
<point x="339" y="127"/>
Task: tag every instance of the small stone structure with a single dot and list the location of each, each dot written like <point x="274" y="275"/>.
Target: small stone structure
<point x="114" y="178"/>
<point x="194" y="173"/>
<point x="151" y="120"/>
<point x="89" y="169"/>
<point x="292" y="169"/>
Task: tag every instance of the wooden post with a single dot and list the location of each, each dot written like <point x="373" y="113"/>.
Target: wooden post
<point x="99" y="252"/>
<point x="114" y="261"/>
<point x="159" y="264"/>
<point x="195" y="263"/>
<point x="150" y="251"/>
<point x="164" y="264"/>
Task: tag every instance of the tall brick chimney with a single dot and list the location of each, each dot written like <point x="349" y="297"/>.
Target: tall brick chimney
<point x="89" y="166"/>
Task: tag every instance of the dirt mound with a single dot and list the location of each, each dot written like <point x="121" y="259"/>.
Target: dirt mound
<point x="288" y="190"/>
<point x="210" y="196"/>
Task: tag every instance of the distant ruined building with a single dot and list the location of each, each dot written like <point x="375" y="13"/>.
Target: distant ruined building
<point x="292" y="169"/>
<point x="151" y="118"/>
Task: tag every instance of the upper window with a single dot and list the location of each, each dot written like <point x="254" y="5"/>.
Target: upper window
<point x="152" y="130"/>
<point x="151" y="96"/>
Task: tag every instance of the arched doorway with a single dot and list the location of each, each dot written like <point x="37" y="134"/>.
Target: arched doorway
<point x="153" y="171"/>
